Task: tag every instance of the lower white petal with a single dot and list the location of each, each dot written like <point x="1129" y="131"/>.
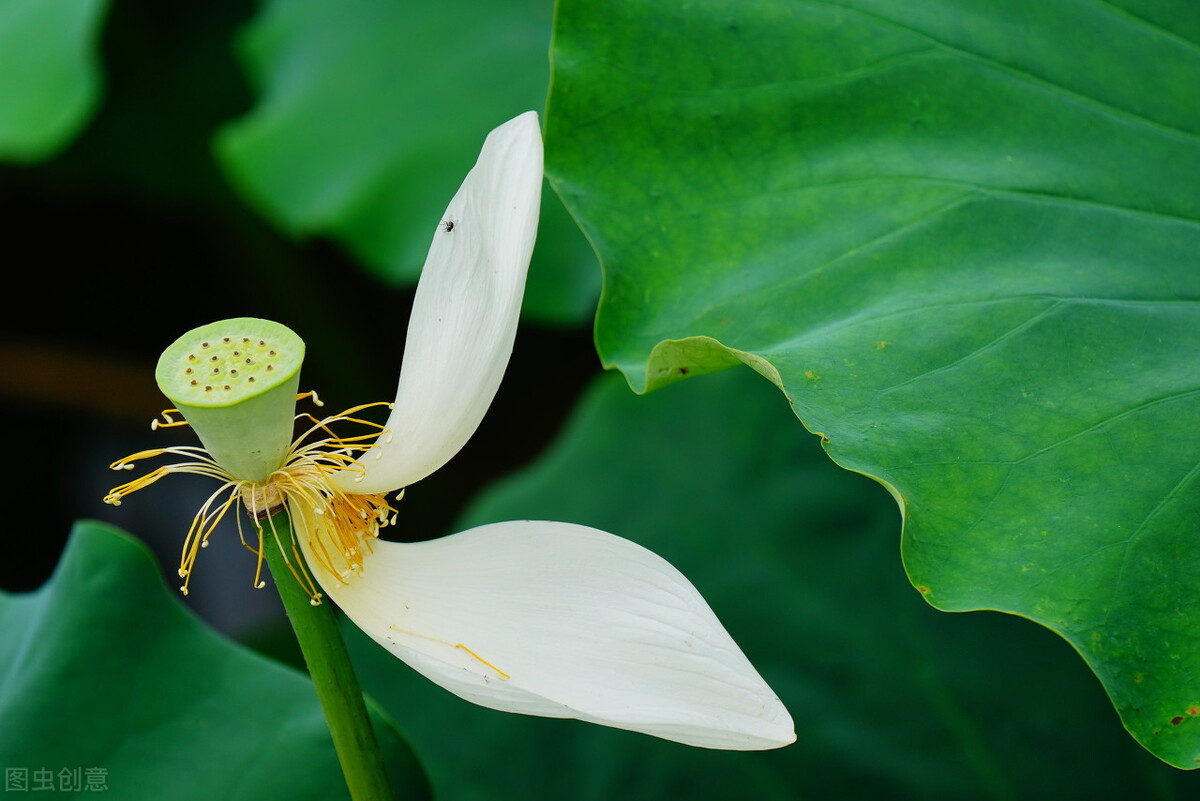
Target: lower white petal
<point x="560" y="620"/>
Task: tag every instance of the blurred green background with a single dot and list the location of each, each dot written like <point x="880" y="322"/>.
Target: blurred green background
<point x="134" y="233"/>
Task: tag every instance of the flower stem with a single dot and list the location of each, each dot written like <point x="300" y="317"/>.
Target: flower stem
<point x="329" y="665"/>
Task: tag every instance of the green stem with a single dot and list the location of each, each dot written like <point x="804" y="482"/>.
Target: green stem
<point x="329" y="665"/>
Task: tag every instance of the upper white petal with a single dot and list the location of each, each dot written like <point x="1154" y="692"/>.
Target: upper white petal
<point x="560" y="620"/>
<point x="464" y="315"/>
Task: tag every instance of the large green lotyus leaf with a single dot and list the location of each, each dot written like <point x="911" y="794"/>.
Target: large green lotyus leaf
<point x="891" y="698"/>
<point x="103" y="670"/>
<point x="49" y="73"/>
<point x="370" y="113"/>
<point x="963" y="239"/>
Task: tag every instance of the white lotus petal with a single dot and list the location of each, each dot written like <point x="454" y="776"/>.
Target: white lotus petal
<point x="464" y="316"/>
<point x="560" y="620"/>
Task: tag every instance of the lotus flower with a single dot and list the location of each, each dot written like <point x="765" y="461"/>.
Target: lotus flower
<point x="535" y="617"/>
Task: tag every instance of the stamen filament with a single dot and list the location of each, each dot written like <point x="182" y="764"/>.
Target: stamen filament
<point x="338" y="526"/>
<point x="168" y="422"/>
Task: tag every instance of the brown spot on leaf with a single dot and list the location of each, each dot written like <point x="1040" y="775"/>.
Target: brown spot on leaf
<point x="1175" y="721"/>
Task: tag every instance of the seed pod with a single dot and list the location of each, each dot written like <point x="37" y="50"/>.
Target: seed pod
<point x="243" y="411"/>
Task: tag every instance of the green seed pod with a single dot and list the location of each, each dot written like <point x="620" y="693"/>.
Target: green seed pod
<point x="235" y="382"/>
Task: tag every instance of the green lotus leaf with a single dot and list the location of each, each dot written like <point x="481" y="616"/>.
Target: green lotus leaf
<point x="49" y="74"/>
<point x="963" y="240"/>
<point x="371" y="112"/>
<point x="106" y="672"/>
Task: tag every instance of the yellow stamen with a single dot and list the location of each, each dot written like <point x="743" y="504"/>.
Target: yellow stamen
<point x="337" y="526"/>
<point x="203" y="524"/>
<point x="502" y="674"/>
<point x="303" y="578"/>
<point x="167" y="422"/>
<point x="205" y="467"/>
<point x="457" y="645"/>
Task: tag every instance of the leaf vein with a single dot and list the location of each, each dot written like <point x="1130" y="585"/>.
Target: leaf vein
<point x="1133" y="539"/>
<point x="1141" y="21"/>
<point x="1102" y="424"/>
<point x="1020" y="73"/>
<point x="982" y="349"/>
